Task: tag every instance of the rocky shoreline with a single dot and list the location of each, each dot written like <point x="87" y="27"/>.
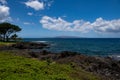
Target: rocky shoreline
<point x="25" y="45"/>
<point x="106" y="67"/>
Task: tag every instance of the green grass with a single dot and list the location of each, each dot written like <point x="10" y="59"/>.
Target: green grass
<point x="20" y="68"/>
<point x="6" y="43"/>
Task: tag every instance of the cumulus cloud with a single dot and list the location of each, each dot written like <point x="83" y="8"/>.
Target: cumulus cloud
<point x="99" y="25"/>
<point x="4" y="13"/>
<point x="35" y="4"/>
<point x="62" y="25"/>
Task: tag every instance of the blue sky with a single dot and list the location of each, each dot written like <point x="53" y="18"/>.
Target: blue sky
<point x="50" y="18"/>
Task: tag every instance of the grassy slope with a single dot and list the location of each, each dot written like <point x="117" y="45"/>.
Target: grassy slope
<point x="19" y="68"/>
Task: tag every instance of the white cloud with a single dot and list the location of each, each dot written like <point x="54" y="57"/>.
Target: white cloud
<point x="3" y="1"/>
<point x="30" y="14"/>
<point x="62" y="25"/>
<point x="99" y="25"/>
<point x="4" y="13"/>
<point x="35" y="4"/>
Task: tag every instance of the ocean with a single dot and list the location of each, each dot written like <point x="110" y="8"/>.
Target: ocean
<point x="87" y="46"/>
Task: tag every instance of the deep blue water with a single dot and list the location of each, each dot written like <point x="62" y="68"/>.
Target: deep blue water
<point x="89" y="46"/>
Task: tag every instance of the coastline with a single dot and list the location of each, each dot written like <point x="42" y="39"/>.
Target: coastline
<point x="87" y="46"/>
<point x="103" y="66"/>
<point x="38" y="46"/>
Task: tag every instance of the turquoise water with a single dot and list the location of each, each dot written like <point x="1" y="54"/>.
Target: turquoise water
<point x="89" y="46"/>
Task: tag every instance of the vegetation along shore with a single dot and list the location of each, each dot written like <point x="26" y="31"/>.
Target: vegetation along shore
<point x="18" y="61"/>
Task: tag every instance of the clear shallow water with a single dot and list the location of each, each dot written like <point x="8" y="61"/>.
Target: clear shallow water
<point x="89" y="46"/>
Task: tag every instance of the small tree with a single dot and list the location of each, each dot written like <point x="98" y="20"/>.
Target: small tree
<point x="14" y="37"/>
<point x="7" y="29"/>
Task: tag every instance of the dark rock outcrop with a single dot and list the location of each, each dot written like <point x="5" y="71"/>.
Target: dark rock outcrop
<point x="25" y="45"/>
<point x="29" y="45"/>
